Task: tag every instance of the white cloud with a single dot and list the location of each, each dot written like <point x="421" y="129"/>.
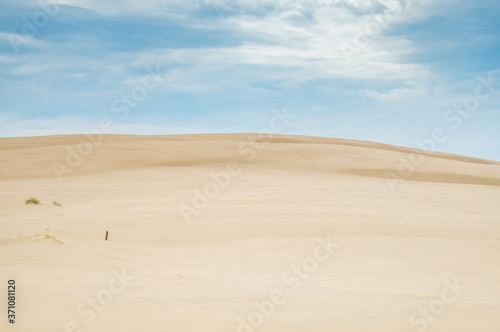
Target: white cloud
<point x="405" y="95"/>
<point x="299" y="51"/>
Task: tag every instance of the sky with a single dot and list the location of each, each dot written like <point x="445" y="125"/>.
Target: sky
<point x="416" y="73"/>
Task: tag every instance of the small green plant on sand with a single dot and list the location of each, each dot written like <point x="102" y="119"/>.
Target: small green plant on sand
<point x="56" y="203"/>
<point x="32" y="200"/>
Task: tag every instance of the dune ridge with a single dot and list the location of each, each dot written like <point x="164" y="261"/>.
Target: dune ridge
<point x="404" y="233"/>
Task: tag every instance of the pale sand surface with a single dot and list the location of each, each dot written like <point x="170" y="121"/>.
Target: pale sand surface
<point x="398" y="246"/>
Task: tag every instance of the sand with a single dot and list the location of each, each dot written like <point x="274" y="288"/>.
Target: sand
<point x="231" y="232"/>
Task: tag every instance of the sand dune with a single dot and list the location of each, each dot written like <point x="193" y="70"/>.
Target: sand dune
<point x="352" y="235"/>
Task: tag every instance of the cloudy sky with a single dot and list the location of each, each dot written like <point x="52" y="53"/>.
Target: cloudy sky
<point x="392" y="71"/>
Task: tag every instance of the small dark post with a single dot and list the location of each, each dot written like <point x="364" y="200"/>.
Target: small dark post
<point x="106" y="235"/>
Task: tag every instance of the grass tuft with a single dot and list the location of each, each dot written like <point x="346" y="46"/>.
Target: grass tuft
<point x="32" y="200"/>
<point x="56" y="203"/>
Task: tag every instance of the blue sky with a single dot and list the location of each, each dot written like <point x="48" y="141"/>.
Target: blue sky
<point x="380" y="70"/>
